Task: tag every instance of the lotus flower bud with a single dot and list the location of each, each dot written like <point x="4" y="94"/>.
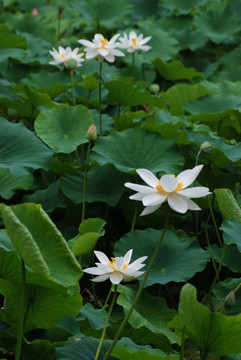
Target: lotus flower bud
<point x="71" y="64"/>
<point x="229" y="301"/>
<point x="91" y="133"/>
<point x="61" y="7"/>
<point x="154" y="88"/>
<point x="206" y="147"/>
<point x="35" y="12"/>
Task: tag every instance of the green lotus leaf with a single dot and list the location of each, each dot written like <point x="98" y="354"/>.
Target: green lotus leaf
<point x="228" y="205"/>
<point x="137" y="148"/>
<point x="232" y="257"/>
<point x="39" y="348"/>
<point x="39" y="243"/>
<point x="45" y="307"/>
<point x="192" y="40"/>
<point x="217" y="25"/>
<point x="176" y="261"/>
<point x="127" y="350"/>
<point x="96" y="317"/>
<point x="84" y="349"/>
<point x="90" y="230"/>
<point x="9" y="183"/>
<point x="10" y="40"/>
<point x="176" y="96"/>
<point x="64" y="129"/>
<point x="104" y="183"/>
<point x="107" y="12"/>
<point x="231" y="232"/>
<point x="21" y="151"/>
<point x="213" y="104"/>
<point x="175" y="70"/>
<point x="49" y="198"/>
<point x="211" y="332"/>
<point x="149" y="311"/>
<point x="56" y="83"/>
<point x="125" y="94"/>
<point x="182" y="8"/>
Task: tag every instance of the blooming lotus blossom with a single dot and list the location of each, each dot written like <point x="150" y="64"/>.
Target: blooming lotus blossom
<point x="102" y="48"/>
<point x="168" y="188"/>
<point x="134" y="42"/>
<point x="116" y="269"/>
<point x="64" y="55"/>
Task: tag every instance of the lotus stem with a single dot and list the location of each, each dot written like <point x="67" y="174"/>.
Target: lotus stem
<point x="72" y="84"/>
<point x="21" y="315"/>
<point x="106" y="323"/>
<point x="100" y="111"/>
<point x="107" y="355"/>
<point x="85" y="180"/>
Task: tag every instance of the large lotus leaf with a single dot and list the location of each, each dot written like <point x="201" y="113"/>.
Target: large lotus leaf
<point x="96" y="317"/>
<point x="84" y="349"/>
<point x="211" y="332"/>
<point x="190" y="39"/>
<point x="228" y="205"/>
<point x="21" y="151"/>
<point x="175" y="70"/>
<point x="125" y="94"/>
<point x="231" y="232"/>
<point x="49" y="198"/>
<point x="42" y="349"/>
<point x="45" y="307"/>
<point x="9" y="183"/>
<point x="107" y="12"/>
<point x="10" y="40"/>
<point x="181" y="7"/>
<point x="176" y="96"/>
<point x="213" y="104"/>
<point x="10" y="267"/>
<point x="40" y="244"/>
<point x="222" y="289"/>
<point x="64" y="129"/>
<point x="176" y="260"/>
<point x="104" y="183"/>
<point x="137" y="148"/>
<point x="144" y="336"/>
<point x="150" y="311"/>
<point x="43" y="77"/>
<point x="218" y="25"/>
<point x="168" y="126"/>
<point x="127" y="350"/>
<point x="232" y="257"/>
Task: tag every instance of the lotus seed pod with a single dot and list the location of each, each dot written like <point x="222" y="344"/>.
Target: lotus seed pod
<point x="71" y="64"/>
<point x="154" y="88"/>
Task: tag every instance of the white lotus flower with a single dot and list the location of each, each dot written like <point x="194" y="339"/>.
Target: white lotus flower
<point x="116" y="269"/>
<point x="134" y="42"/>
<point x="64" y="55"/>
<point x="168" y="188"/>
<point x="102" y="48"/>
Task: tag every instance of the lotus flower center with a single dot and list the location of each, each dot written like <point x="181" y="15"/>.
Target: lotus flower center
<point x="111" y="264"/>
<point x="62" y="56"/>
<point x="104" y="42"/>
<point x="163" y="192"/>
<point x="134" y="42"/>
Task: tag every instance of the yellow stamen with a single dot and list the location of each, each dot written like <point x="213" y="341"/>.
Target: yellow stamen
<point x="111" y="264"/>
<point x="179" y="187"/>
<point x="62" y="55"/>
<point x="104" y="42"/>
<point x="160" y="188"/>
<point x="134" y="42"/>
